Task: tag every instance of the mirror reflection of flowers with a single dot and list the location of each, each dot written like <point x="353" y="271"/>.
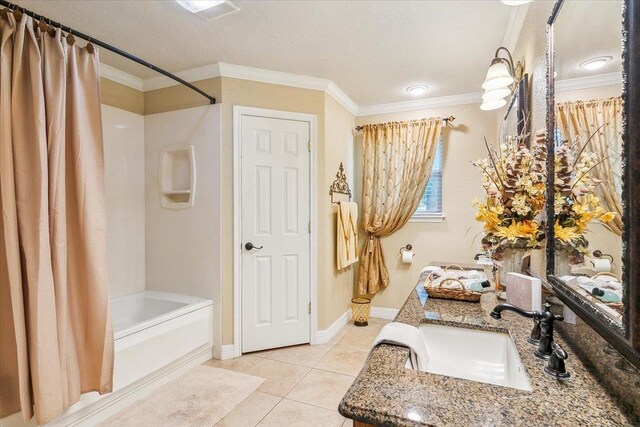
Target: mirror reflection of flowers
<point x="576" y="203"/>
<point x="514" y="180"/>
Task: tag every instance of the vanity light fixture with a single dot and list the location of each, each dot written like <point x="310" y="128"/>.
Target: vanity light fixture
<point x="500" y="79"/>
<point x="501" y="72"/>
<point x="417" y="90"/>
<point x="209" y="9"/>
<point x="493" y="104"/>
<point x="516" y="2"/>
<point x="595" y="63"/>
<point x="496" y="93"/>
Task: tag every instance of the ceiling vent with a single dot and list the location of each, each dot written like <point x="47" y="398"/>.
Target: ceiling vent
<point x="209" y="9"/>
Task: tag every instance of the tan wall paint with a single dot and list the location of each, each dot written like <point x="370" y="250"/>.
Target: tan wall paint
<point x="120" y="96"/>
<point x="179" y="97"/>
<point x="335" y="288"/>
<point x="457" y="237"/>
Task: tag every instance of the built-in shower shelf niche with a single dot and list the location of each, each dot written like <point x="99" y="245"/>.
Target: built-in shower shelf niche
<point x="177" y="176"/>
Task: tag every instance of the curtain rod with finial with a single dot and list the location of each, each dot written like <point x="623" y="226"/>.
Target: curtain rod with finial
<point x="447" y="121"/>
<point x="13" y="7"/>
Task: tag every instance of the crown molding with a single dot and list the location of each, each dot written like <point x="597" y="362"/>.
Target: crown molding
<point x="342" y="98"/>
<point x="421" y="104"/>
<point x="119" y="76"/>
<point x="588" y="82"/>
<point x="514" y="26"/>
<point x="195" y="74"/>
<point x="221" y="69"/>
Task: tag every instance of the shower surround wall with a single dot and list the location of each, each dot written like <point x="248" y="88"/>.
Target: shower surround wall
<point x="123" y="133"/>
<point x="183" y="248"/>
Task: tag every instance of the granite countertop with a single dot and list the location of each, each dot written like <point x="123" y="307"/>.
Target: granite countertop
<point x="385" y="393"/>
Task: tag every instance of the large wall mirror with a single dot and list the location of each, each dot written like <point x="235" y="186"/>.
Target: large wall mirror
<point x="590" y="141"/>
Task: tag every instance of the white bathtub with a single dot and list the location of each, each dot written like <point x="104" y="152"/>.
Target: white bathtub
<point x="133" y="313"/>
<point x="157" y="335"/>
<point x="153" y="329"/>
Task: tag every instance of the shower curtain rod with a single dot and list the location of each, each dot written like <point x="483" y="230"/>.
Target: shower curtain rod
<point x="447" y="121"/>
<point x="104" y="45"/>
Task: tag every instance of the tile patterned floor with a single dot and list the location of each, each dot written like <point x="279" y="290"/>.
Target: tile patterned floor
<point x="304" y="383"/>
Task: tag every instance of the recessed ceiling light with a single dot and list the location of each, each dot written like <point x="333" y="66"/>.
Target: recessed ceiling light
<point x="516" y="2"/>
<point x="209" y="9"/>
<point x="595" y="63"/>
<point x="417" y="90"/>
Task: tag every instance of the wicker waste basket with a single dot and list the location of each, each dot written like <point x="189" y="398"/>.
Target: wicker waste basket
<point x="360" y="308"/>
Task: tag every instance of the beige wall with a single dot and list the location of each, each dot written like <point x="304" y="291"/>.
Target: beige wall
<point x="180" y="97"/>
<point x="457" y="238"/>
<point x="120" y="96"/>
<point x="335" y="288"/>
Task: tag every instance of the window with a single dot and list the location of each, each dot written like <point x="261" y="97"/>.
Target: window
<point x="430" y="207"/>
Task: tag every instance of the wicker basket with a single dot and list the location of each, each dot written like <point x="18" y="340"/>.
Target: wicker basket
<point x="461" y="294"/>
<point x="430" y="277"/>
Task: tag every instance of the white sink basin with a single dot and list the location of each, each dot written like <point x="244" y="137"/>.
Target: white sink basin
<point x="487" y="357"/>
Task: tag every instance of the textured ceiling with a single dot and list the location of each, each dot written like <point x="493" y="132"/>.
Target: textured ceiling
<point x="372" y="50"/>
<point x="584" y="30"/>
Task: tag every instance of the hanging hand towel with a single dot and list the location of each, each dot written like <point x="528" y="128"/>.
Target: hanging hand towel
<point x="346" y="235"/>
<point x="403" y="335"/>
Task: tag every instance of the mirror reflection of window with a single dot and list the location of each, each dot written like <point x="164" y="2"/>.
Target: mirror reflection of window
<point x="588" y="151"/>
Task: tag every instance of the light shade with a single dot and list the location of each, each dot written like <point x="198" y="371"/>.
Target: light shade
<point x="498" y="76"/>
<point x="493" y="104"/>
<point x="496" y="93"/>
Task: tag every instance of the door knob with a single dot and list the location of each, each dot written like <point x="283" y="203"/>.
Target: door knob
<point x="248" y="246"/>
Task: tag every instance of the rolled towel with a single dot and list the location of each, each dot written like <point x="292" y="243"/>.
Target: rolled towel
<point x="430" y="268"/>
<point x="436" y="282"/>
<point x="408" y="336"/>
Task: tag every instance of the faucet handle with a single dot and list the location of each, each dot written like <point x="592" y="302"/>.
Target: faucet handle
<point x="556" y="366"/>
<point x="535" y="333"/>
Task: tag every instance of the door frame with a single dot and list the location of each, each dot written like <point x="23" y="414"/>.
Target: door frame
<point x="312" y="119"/>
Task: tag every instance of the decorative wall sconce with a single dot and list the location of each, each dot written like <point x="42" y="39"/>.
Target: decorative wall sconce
<point x="502" y="78"/>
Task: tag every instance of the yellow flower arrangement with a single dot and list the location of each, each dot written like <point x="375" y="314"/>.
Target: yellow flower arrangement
<point x="575" y="202"/>
<point x="514" y="180"/>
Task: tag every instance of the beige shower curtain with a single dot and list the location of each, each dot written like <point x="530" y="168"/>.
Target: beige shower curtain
<point x="578" y="120"/>
<point x="397" y="162"/>
<point x="56" y="334"/>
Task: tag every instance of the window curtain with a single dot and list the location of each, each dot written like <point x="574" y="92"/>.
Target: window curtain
<point x="397" y="161"/>
<point x="578" y="121"/>
<point x="57" y="341"/>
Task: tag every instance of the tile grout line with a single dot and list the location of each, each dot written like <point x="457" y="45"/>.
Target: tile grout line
<point x="294" y="386"/>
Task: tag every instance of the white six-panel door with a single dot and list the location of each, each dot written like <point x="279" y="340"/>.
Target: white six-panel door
<point x="275" y="212"/>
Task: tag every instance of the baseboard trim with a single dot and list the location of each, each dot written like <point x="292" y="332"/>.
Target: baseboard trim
<point x="384" y="313"/>
<point x="326" y="335"/>
<point x="227" y="352"/>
